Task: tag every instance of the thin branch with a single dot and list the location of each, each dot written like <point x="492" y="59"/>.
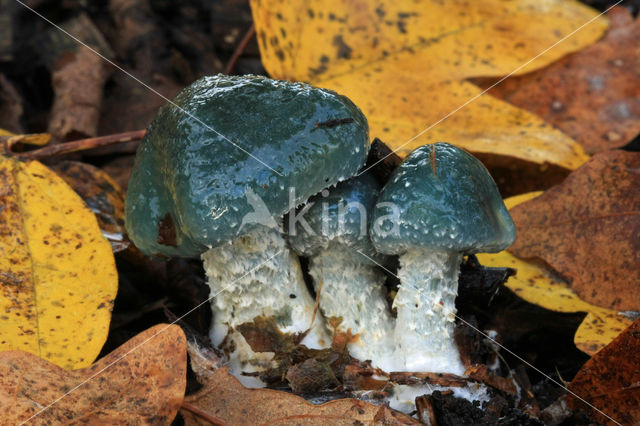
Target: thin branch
<point x="81" y="145"/>
<point x="239" y="50"/>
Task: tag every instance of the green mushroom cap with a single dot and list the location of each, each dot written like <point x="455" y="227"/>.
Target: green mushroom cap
<point x="448" y="203"/>
<point x="339" y="219"/>
<point x="193" y="188"/>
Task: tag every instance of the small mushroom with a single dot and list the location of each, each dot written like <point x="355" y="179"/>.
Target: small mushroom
<point x="217" y="169"/>
<point x="342" y="261"/>
<point x="447" y="205"/>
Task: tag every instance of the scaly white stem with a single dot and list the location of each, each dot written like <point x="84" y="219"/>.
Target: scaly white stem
<point x="354" y="291"/>
<point x="426" y="311"/>
<point x="257" y="275"/>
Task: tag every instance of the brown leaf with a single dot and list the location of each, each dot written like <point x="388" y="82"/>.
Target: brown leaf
<point x="78" y="94"/>
<point x="77" y="76"/>
<point x="592" y="95"/>
<point x="145" y="384"/>
<point x="611" y="380"/>
<point x="223" y="400"/>
<point x="102" y="195"/>
<point x="587" y="229"/>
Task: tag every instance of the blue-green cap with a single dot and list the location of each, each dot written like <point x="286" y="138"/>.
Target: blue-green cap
<point x="192" y="188"/>
<point x="338" y="219"/>
<point x="442" y="198"/>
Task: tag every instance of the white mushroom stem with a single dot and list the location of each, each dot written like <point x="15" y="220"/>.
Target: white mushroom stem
<point x="353" y="293"/>
<point x="426" y="309"/>
<point x="257" y="275"/>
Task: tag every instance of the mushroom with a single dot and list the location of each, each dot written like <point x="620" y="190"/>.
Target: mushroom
<point x="217" y="168"/>
<point x="343" y="265"/>
<point x="446" y="205"/>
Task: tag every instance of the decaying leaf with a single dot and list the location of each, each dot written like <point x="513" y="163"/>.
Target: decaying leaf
<point x="141" y="382"/>
<point x="592" y="95"/>
<point x="223" y="400"/>
<point x="77" y="77"/>
<point x="587" y="230"/>
<point x="611" y="380"/>
<point x="536" y="283"/>
<point x="58" y="278"/>
<point x="404" y="63"/>
<point x="35" y="139"/>
<point x="102" y="195"/>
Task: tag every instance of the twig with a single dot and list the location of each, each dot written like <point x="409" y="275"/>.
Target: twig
<point x="81" y="145"/>
<point x="239" y="50"/>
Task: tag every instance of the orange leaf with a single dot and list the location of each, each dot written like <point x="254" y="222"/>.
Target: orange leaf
<point x="145" y="384"/>
<point x="611" y="380"/>
<point x="587" y="229"/>
<point x="592" y="95"/>
<point x="223" y="400"/>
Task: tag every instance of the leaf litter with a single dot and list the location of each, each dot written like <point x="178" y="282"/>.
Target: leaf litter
<point x="440" y="404"/>
<point x="141" y="382"/>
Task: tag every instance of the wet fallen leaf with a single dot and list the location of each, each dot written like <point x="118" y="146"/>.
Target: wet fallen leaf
<point x="141" y="382"/>
<point x="587" y="230"/>
<point x="223" y="400"/>
<point x="611" y="380"/>
<point x="592" y="95"/>
<point x="536" y="283"/>
<point x="102" y="195"/>
<point x="58" y="278"/>
<point x="404" y="63"/>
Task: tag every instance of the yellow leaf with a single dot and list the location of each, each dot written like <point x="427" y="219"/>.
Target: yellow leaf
<point x="57" y="272"/>
<point x="536" y="284"/>
<point x="36" y="139"/>
<point x="404" y="63"/>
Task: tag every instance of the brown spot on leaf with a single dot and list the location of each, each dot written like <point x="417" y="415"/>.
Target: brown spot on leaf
<point x="344" y="51"/>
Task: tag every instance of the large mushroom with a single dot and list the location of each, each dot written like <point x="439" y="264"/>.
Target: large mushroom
<point x="446" y="205"/>
<point x="334" y="236"/>
<point x="217" y="169"/>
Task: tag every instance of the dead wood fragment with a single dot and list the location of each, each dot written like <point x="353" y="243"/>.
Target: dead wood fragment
<point x="424" y="406"/>
<point x="440" y="379"/>
<point x="528" y="402"/>
<point x="481" y="373"/>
